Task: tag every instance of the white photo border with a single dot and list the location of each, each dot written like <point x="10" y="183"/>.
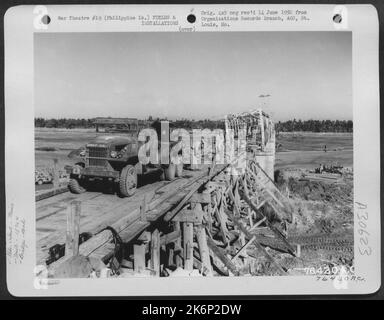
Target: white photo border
<point x="20" y="27"/>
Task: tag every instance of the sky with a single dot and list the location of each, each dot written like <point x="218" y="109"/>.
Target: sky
<point x="205" y="75"/>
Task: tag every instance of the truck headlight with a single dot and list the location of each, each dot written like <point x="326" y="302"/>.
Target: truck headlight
<point x="76" y="170"/>
<point x="82" y="153"/>
<point x="113" y="154"/>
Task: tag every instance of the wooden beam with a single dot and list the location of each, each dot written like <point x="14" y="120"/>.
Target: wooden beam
<point x="156" y="209"/>
<point x="155" y="252"/>
<point x="181" y="204"/>
<point x="274" y="197"/>
<point x="178" y="243"/>
<point x="235" y="203"/>
<point x="143" y="209"/>
<point x="193" y="189"/>
<point x="204" y="250"/>
<point x="238" y="224"/>
<point x="188" y="245"/>
<point x="243" y="248"/>
<point x="73" y="229"/>
<point x="269" y="225"/>
<point x="261" y="204"/>
<point x="44" y="194"/>
<point x="188" y="215"/>
<point x="55" y="180"/>
<point x="209" y="188"/>
<point x="218" y="252"/>
<point x="129" y="225"/>
<point x="257" y="224"/>
<point x="222" y="221"/>
<point x="203" y="198"/>
<point x="261" y="124"/>
<point x="170" y="237"/>
<point x="145" y="237"/>
<point x="139" y="258"/>
<point x="298" y="250"/>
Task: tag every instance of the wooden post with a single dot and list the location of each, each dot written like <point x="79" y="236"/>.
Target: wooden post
<point x="73" y="229"/>
<point x="223" y="223"/>
<point x="204" y="250"/>
<point x="262" y="129"/>
<point x="188" y="245"/>
<point x="55" y="180"/>
<point x="143" y="209"/>
<point x="298" y="250"/>
<point x="139" y="257"/>
<point x="250" y="216"/>
<point x="178" y="260"/>
<point x="155" y="252"/>
<point x="171" y="256"/>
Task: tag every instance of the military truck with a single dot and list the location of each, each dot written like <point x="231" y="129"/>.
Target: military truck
<point x="42" y="177"/>
<point x="114" y="158"/>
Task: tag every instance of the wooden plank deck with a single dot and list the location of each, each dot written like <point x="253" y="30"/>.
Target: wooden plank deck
<point x="98" y="211"/>
<point x="120" y="215"/>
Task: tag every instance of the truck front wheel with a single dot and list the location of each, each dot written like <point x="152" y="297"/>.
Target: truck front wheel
<point x="128" y="181"/>
<point x="75" y="187"/>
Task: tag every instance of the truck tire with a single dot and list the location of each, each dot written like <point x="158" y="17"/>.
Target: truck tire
<point x="170" y="172"/>
<point x="179" y="170"/>
<point x="128" y="181"/>
<point x="75" y="187"/>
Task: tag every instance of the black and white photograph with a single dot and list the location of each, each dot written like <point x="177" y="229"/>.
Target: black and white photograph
<point x="290" y="212"/>
<point x="180" y="146"/>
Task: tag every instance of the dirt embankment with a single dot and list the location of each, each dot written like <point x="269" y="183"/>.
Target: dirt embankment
<point x="321" y="208"/>
<point x="322" y="221"/>
<point x="320" y="191"/>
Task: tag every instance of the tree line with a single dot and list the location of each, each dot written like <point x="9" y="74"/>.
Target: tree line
<point x="315" y="125"/>
<point x="281" y="126"/>
<point x="69" y="123"/>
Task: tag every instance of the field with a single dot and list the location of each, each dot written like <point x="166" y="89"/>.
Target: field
<point x="303" y="149"/>
<point x="58" y="143"/>
<point x="295" y="151"/>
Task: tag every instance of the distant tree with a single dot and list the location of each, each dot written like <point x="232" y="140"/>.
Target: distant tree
<point x="315" y="125"/>
<point x="286" y="126"/>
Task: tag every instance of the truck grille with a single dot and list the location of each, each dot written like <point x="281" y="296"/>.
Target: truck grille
<point x="97" y="152"/>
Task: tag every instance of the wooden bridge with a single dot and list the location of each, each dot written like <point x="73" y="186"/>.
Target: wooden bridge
<point x="210" y="221"/>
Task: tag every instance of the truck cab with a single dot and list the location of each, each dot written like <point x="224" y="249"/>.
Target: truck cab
<point x="113" y="158"/>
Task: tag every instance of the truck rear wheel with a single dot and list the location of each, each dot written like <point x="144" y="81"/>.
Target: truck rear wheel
<point x="179" y="170"/>
<point x="128" y="181"/>
<point x="75" y="187"/>
<point x="170" y="172"/>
